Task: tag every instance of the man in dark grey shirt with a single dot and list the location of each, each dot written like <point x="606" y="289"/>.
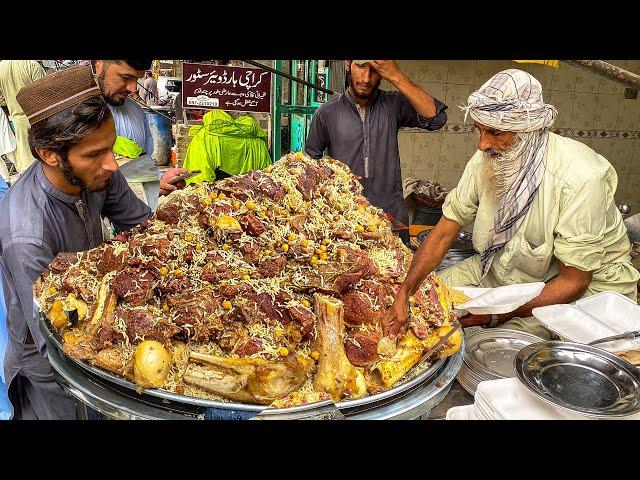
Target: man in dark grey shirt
<point x="360" y="128"/>
<point x="56" y="206"/>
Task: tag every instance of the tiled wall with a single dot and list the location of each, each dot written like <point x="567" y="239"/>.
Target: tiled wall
<point x="589" y="107"/>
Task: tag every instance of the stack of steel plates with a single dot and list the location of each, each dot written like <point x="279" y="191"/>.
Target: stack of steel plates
<point x="461" y="248"/>
<point x="489" y="355"/>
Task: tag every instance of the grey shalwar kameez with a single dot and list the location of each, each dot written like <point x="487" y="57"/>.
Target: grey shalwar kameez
<point x="38" y="222"/>
<point x="369" y="145"/>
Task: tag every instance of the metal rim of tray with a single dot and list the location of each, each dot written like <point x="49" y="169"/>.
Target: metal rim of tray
<point x="53" y="337"/>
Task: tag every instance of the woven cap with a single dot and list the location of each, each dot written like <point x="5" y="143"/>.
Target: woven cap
<point x="57" y="92"/>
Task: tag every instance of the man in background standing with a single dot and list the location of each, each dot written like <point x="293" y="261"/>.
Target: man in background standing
<point x="360" y="128"/>
<point x="150" y="90"/>
<point x="118" y="79"/>
<point x="15" y="74"/>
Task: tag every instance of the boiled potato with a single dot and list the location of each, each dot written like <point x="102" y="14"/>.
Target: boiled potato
<point x="228" y="224"/>
<point x="151" y="364"/>
<point x="57" y="316"/>
<point x="73" y="303"/>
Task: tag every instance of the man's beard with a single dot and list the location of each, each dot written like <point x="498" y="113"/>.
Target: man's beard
<point x="360" y="95"/>
<point x="67" y="172"/>
<point x="110" y="100"/>
<point x="501" y="169"/>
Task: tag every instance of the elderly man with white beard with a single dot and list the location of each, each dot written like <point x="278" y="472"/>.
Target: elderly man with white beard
<point x="543" y="207"/>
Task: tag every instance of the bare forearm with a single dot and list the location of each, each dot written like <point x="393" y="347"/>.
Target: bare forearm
<point x="565" y="288"/>
<point x="422" y="102"/>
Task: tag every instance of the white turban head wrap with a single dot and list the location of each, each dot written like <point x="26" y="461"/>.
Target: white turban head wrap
<point x="511" y="101"/>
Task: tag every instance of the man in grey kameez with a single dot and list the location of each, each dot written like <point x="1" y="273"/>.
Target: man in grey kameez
<point x="360" y="128"/>
<point x="56" y="206"/>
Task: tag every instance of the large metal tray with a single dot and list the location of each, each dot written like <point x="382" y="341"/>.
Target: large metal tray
<point x="580" y="378"/>
<point x="53" y="339"/>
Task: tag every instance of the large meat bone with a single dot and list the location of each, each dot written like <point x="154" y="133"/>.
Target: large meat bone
<point x="80" y="345"/>
<point x="336" y="375"/>
<point x="252" y="380"/>
<point x="409" y="351"/>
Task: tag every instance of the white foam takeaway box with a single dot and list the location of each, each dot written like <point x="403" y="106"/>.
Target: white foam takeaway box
<point x="602" y="315"/>
<point x="498" y="300"/>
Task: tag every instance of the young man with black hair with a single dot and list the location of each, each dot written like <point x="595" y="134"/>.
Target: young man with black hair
<point x="360" y="128"/>
<point x="56" y="206"/>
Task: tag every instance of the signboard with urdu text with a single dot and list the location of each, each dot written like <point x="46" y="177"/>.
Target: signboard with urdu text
<point x="242" y="89"/>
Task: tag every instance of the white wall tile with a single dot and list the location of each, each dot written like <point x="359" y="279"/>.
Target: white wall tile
<point x="628" y="114"/>
<point x="621" y="155"/>
<point x="426" y="151"/>
<point x="461" y="72"/>
<point x="453" y="153"/>
<point x="563" y="101"/>
<point x="564" y="78"/>
<point x="604" y="146"/>
<point x="584" y="110"/>
<point x="606" y="116"/>
<point x="432" y="71"/>
<point x="586" y="81"/>
<point x="435" y="89"/>
<point x="634" y="164"/>
<point x="633" y="189"/>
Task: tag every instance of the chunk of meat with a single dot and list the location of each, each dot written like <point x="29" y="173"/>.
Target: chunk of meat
<point x="252" y="380"/>
<point x="272" y="267"/>
<point x="268" y="187"/>
<point x="308" y="181"/>
<point x="346" y="281"/>
<point x="216" y="272"/>
<point x="297" y="223"/>
<point x="230" y="291"/>
<point x="63" y="261"/>
<point x="203" y="221"/>
<point x="249" y="314"/>
<point x="362" y="348"/>
<point x="175" y="285"/>
<point x="253" y="345"/>
<point x="233" y="336"/>
<point x="306" y="318"/>
<point x="110" y="262"/>
<point x="358" y="266"/>
<point x="142" y="324"/>
<point x="342" y="234"/>
<point x="113" y="360"/>
<point x="107" y="336"/>
<point x="133" y="285"/>
<point x="250" y="251"/>
<point x="196" y="314"/>
<point x="251" y="224"/>
<point x="360" y="308"/>
<point x="272" y="310"/>
<point x="77" y="280"/>
<point x="169" y="213"/>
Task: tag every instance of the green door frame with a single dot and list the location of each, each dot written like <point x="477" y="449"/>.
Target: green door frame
<point x="307" y="109"/>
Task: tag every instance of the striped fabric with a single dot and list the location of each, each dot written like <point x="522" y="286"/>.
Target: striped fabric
<point x="512" y="101"/>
